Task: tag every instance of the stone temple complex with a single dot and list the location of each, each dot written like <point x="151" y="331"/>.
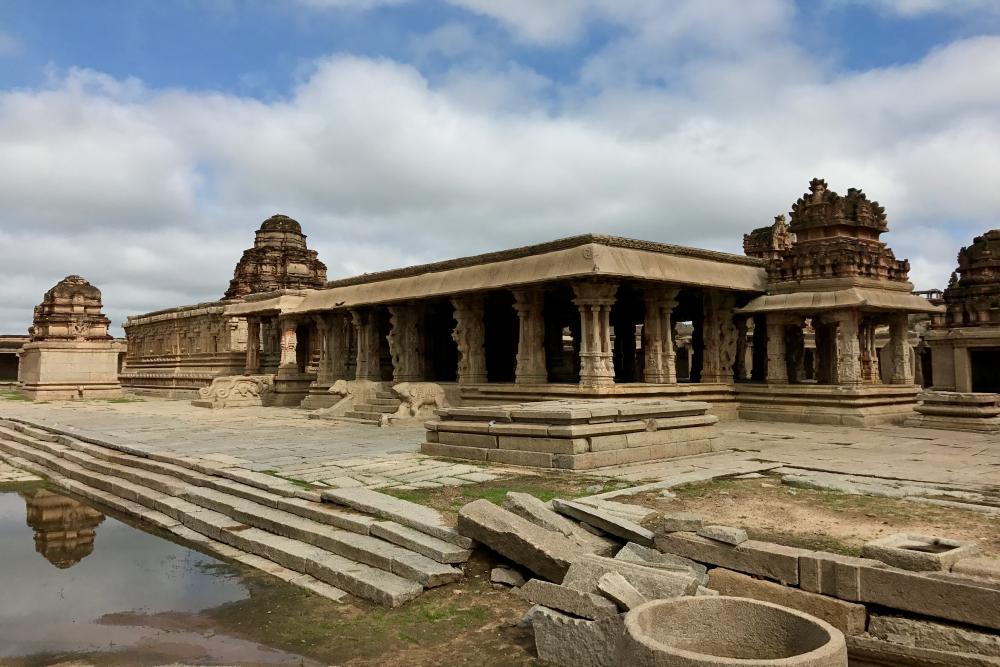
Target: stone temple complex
<point x="583" y="317"/>
<point x="70" y="353"/>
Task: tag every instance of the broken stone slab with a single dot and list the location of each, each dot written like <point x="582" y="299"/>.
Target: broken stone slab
<point x="529" y="616"/>
<point x="676" y="522"/>
<point x="834" y="574"/>
<point x="616" y="588"/>
<point x="763" y="559"/>
<point x="606" y="521"/>
<point x="419" y="517"/>
<point x="419" y="542"/>
<point x="920" y="553"/>
<point x="929" y="634"/>
<point x="705" y="591"/>
<point x="575" y="642"/>
<point x="567" y="600"/>
<point x="534" y="510"/>
<point x="636" y="553"/>
<point x="544" y="552"/>
<point x="586" y="572"/>
<point x="506" y="577"/>
<point x="848" y="617"/>
<point x="953" y="598"/>
<point x="727" y="534"/>
<point x="981" y="567"/>
<point x="869" y="651"/>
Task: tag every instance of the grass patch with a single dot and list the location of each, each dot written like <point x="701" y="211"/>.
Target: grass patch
<point x="13" y="396"/>
<point x="812" y="541"/>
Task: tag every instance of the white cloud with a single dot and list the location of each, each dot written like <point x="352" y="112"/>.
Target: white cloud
<point x="152" y="195"/>
<point x="913" y="8"/>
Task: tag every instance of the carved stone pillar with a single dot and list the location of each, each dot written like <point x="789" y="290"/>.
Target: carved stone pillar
<point x="719" y="337"/>
<point x="338" y="346"/>
<point x="366" y="329"/>
<point x="902" y="353"/>
<point x="658" y="336"/>
<point x="406" y="343"/>
<point x="288" y="361"/>
<point x="253" y="346"/>
<point x="322" y="328"/>
<point x="795" y="350"/>
<point x="470" y="337"/>
<point x="848" y="349"/>
<point x="869" y="355"/>
<point x="777" y="357"/>
<point x="594" y="299"/>
<point x="529" y="304"/>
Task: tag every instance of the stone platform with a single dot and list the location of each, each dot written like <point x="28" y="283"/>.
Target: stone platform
<point x="959" y="411"/>
<point x="573" y="435"/>
<point x="806" y="403"/>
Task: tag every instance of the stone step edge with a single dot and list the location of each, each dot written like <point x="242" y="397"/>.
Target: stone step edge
<point x="394" y="558"/>
<point x="358" y="583"/>
<point x="308" y="509"/>
<point x="164" y="522"/>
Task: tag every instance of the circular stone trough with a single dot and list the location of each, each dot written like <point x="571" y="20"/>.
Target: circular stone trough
<point x="716" y="631"/>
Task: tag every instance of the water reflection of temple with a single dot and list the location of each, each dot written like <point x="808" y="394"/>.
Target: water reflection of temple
<point x="64" y="528"/>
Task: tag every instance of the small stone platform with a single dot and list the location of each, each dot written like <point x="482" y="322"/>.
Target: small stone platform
<point x="958" y="411"/>
<point x="573" y="435"/>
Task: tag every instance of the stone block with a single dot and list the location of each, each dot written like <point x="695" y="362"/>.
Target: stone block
<point x="679" y="522"/>
<point x="484" y="440"/>
<point x="616" y="588"/>
<point x="454" y="451"/>
<point x="727" y="534"/>
<point x="606" y="521"/>
<point x="971" y="601"/>
<point x="632" y="455"/>
<point x="574" y="642"/>
<point x="763" y="559"/>
<point x="868" y="651"/>
<point x="547" y="445"/>
<point x="568" y="600"/>
<point x="848" y="617"/>
<point x="911" y="551"/>
<point x="459" y="426"/>
<point x="516" y="458"/>
<point x="506" y="577"/>
<point x="592" y="430"/>
<point x="424" y="519"/>
<point x="928" y="634"/>
<point x="606" y="443"/>
<point x="983" y="568"/>
<point x="531" y="430"/>
<point x="544" y="552"/>
<point x="534" y="510"/>
<point x="670" y="436"/>
<point x="640" y="555"/>
<point x="585" y="573"/>
<point x="833" y="574"/>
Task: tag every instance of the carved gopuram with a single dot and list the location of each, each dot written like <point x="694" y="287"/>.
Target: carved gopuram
<point x="830" y="276"/>
<point x="178" y="351"/>
<point x="965" y="344"/>
<point x="70" y="353"/>
<point x="64" y="528"/>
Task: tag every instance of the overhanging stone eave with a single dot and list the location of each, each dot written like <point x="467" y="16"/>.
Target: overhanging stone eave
<point x="589" y="260"/>
<point x="860" y="298"/>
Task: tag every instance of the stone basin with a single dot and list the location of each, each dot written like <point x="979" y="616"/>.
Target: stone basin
<point x="710" y="631"/>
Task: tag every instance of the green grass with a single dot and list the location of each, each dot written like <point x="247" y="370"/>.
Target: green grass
<point x="13" y="396"/>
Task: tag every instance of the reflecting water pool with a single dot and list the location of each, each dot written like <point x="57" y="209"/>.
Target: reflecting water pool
<point x="77" y="582"/>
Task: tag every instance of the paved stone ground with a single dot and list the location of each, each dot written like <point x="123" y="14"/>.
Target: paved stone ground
<point x="347" y="454"/>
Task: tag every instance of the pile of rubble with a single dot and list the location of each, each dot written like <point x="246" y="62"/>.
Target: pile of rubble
<point x="912" y="600"/>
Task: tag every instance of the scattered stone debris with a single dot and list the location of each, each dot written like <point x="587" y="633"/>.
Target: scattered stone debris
<point x="506" y="577"/>
<point x="617" y="588"/>
<point x="675" y="522"/>
<point x="726" y="534"/>
<point x="568" y="600"/>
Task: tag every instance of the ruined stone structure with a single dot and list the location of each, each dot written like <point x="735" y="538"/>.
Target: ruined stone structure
<point x="965" y="339"/>
<point x="837" y="279"/>
<point x="584" y="317"/>
<point x="70" y="353"/>
<point x="279" y="259"/>
<point x="10" y="353"/>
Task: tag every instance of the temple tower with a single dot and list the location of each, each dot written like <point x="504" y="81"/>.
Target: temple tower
<point x="279" y="259"/>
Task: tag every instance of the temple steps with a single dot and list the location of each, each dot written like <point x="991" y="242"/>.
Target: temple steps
<point x="257" y="519"/>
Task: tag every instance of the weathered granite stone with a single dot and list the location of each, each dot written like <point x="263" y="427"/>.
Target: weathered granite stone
<point x="585" y="573"/>
<point x="534" y="510"/>
<point x="911" y="551"/>
<point x="928" y="634"/>
<point x="544" y="552"/>
<point x="608" y="522"/>
<point x="869" y="651"/>
<point x="984" y="568"/>
<point x="636" y="553"/>
<point x="617" y="589"/>
<point x="574" y="642"/>
<point x="675" y="522"/>
<point x="763" y="559"/>
<point x="847" y="617"/>
<point x="727" y="534"/>
<point x="506" y="576"/>
<point x="833" y="574"/>
<point x="568" y="600"/>
<point x="419" y="517"/>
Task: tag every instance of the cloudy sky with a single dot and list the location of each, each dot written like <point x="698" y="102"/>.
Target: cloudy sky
<point x="143" y="141"/>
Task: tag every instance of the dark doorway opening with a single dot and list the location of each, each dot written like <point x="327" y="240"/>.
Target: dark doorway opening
<point x="501" y="324"/>
<point x="985" y="369"/>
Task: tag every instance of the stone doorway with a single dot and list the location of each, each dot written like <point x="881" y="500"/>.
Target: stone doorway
<point x="985" y="369"/>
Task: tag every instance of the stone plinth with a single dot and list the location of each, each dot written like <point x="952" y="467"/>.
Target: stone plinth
<point x="961" y="411"/>
<point x="858" y="405"/>
<point x="574" y="435"/>
<point x="70" y="354"/>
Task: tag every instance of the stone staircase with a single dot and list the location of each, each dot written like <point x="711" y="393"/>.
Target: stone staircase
<point x="388" y="552"/>
<point x="373" y="411"/>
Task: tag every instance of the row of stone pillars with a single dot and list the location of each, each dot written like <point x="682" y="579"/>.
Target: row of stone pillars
<point x="845" y="349"/>
<point x="355" y="335"/>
